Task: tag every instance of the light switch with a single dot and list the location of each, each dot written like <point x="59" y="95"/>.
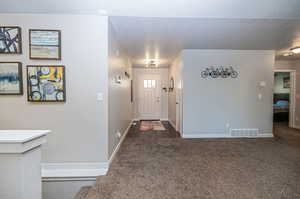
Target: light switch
<point x="262" y="84"/>
<point x="99" y="96"/>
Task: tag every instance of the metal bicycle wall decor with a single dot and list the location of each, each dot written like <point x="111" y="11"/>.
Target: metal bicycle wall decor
<point x="219" y="72"/>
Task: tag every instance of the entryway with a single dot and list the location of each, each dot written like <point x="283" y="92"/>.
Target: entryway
<point x="150" y="93"/>
<point x="149" y="96"/>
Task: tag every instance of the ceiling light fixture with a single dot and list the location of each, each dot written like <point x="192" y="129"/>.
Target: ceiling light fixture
<point x="288" y="54"/>
<point x="295" y="50"/>
<point x="152" y="62"/>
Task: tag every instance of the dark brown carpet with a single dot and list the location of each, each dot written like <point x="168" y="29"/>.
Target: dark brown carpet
<point x="159" y="165"/>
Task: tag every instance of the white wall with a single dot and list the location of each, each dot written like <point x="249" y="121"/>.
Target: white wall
<point x="120" y="106"/>
<point x="79" y="126"/>
<point x="210" y="104"/>
<point x="164" y="73"/>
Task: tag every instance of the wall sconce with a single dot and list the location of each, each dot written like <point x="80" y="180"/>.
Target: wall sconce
<point x="118" y="79"/>
<point x="127" y="75"/>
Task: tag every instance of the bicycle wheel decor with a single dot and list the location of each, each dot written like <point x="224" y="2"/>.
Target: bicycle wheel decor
<point x="219" y="72"/>
<point x="46" y="83"/>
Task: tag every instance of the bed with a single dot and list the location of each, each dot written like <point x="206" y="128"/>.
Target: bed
<point x="281" y="107"/>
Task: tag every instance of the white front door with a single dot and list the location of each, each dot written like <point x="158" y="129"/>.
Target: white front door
<point x="149" y="96"/>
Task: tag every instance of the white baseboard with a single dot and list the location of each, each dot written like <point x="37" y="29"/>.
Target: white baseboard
<point x="85" y="171"/>
<point x="164" y="119"/>
<point x="296" y="127"/>
<point x="161" y="119"/>
<point x="172" y="124"/>
<point x="120" y="143"/>
<point x="220" y="135"/>
<point x="73" y="171"/>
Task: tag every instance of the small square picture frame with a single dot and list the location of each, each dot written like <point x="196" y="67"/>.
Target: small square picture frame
<point x="46" y="83"/>
<point x="44" y="44"/>
<point x="11" y="78"/>
<point x="10" y="40"/>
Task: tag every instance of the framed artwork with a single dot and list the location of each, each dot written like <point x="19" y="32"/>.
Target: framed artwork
<point x="46" y="83"/>
<point x="171" y="84"/>
<point x="10" y="40"/>
<point x="286" y="82"/>
<point x="11" y="78"/>
<point x="45" y="44"/>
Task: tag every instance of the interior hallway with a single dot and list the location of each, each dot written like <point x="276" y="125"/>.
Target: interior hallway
<point x="159" y="165"/>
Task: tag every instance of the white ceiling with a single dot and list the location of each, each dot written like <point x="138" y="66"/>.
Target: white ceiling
<point x="161" y="28"/>
<point x="161" y="8"/>
<point x="163" y="38"/>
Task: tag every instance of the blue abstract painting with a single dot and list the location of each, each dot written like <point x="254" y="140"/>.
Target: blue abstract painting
<point x="10" y="78"/>
<point x="10" y="40"/>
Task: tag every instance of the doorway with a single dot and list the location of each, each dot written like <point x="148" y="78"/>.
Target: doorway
<point x="284" y="98"/>
<point x="149" y="96"/>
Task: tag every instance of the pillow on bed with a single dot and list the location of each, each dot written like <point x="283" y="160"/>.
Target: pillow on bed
<point x="282" y="103"/>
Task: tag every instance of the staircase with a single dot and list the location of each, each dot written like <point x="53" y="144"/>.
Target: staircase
<point x="94" y="192"/>
<point x="86" y="192"/>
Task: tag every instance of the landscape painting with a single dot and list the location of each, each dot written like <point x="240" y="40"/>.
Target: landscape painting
<point x="11" y="78"/>
<point x="10" y="40"/>
<point x="46" y="83"/>
<point x="45" y="44"/>
<point x="286" y="82"/>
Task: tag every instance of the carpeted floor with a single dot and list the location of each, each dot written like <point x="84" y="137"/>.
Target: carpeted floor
<point x="162" y="166"/>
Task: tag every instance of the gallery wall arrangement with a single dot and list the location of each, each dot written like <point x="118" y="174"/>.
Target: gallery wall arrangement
<point x="45" y="83"/>
<point x="11" y="78"/>
<point x="10" y="40"/>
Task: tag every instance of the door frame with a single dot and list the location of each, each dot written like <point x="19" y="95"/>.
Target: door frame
<point x="139" y="71"/>
<point x="292" y="107"/>
<point x="140" y="80"/>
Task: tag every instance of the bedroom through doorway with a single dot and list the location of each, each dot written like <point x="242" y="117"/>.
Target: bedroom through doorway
<point x="283" y="98"/>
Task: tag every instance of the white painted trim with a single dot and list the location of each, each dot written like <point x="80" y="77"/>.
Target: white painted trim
<point x="164" y="119"/>
<point x="139" y="119"/>
<point x="120" y="143"/>
<point x="172" y="124"/>
<point x="83" y="171"/>
<point x="220" y="135"/>
<point x="296" y="126"/>
<point x="72" y="171"/>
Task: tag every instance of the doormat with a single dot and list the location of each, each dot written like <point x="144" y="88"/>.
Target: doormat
<point x="152" y="125"/>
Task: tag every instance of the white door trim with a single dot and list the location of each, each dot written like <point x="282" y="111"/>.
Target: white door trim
<point x="156" y="96"/>
<point x="292" y="95"/>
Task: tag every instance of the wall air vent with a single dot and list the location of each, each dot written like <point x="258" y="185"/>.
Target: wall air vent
<point x="244" y="132"/>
